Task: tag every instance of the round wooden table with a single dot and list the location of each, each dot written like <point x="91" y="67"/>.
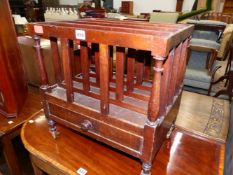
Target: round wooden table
<point x="72" y="152"/>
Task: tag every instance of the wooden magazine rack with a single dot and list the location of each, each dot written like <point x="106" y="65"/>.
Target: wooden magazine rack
<point x="121" y="102"/>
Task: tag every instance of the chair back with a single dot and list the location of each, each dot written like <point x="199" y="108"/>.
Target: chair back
<point x="218" y="17"/>
<point x="225" y="41"/>
<point x="164" y="17"/>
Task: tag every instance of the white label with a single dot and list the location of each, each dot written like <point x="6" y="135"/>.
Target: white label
<point x="38" y="29"/>
<point x="31" y="121"/>
<point x="10" y="122"/>
<point x="80" y="34"/>
<point x="81" y="171"/>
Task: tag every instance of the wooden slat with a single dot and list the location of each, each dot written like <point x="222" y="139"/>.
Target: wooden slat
<point x="71" y="50"/>
<point x="139" y="66"/>
<point x="125" y="25"/>
<point x="147" y="68"/>
<point x="172" y="77"/>
<point x="56" y="60"/>
<point x="110" y="63"/>
<point x="67" y="68"/>
<point x="104" y="79"/>
<point x="113" y="89"/>
<point x="120" y="57"/>
<point x="163" y="41"/>
<point x="40" y="61"/>
<point x="97" y="62"/>
<point x="130" y="69"/>
<point x="77" y="62"/>
<point x="85" y="65"/>
<point x="165" y="84"/>
<point x="175" y="69"/>
<point x="112" y="101"/>
<point x="183" y="60"/>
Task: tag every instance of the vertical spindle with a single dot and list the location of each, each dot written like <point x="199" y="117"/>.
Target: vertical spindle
<point x="85" y="65"/>
<point x="140" y="66"/>
<point x="120" y="56"/>
<point x="165" y="84"/>
<point x="40" y="61"/>
<point x="130" y="69"/>
<point x="56" y="60"/>
<point x="67" y="69"/>
<point x="154" y="102"/>
<point x="147" y="68"/>
<point x="97" y="62"/>
<point x="104" y="79"/>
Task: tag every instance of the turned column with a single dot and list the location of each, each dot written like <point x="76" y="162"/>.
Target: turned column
<point x="153" y="118"/>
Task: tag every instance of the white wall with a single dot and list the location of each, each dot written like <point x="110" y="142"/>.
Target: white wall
<point x="147" y="6"/>
<point x="70" y="2"/>
<point x="144" y="6"/>
<point x="187" y="5"/>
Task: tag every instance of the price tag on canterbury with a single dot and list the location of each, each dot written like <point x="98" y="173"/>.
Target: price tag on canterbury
<point x="80" y="34"/>
<point x="38" y="29"/>
<point x="81" y="171"/>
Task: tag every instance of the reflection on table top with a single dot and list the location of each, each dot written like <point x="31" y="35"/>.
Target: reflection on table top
<point x="31" y="105"/>
<point x="182" y="154"/>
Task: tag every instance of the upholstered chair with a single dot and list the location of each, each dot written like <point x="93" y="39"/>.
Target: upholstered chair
<point x="164" y="17"/>
<point x="202" y="66"/>
<point x="203" y="61"/>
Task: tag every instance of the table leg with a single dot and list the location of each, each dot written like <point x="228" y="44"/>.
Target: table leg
<point x="37" y="171"/>
<point x="10" y="154"/>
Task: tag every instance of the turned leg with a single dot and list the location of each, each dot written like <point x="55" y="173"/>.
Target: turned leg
<point x="170" y="131"/>
<point x="146" y="168"/>
<point x="53" y="128"/>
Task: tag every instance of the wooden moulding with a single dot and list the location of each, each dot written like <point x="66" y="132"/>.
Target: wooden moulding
<point x="13" y="83"/>
<point x="128" y="99"/>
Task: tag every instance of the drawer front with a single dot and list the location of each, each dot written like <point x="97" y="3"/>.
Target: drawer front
<point x="105" y="132"/>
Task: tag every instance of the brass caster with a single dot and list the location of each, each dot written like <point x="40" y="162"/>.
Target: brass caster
<point x="142" y="173"/>
<point x="54" y="134"/>
<point x="146" y="169"/>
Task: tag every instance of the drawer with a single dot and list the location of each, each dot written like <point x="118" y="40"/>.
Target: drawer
<point x="96" y="128"/>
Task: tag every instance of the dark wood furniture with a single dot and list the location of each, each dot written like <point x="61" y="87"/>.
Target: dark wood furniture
<point x="182" y="154"/>
<point x="132" y="112"/>
<point x="227" y="18"/>
<point x="127" y="7"/>
<point x="91" y="12"/>
<point x="9" y="129"/>
<point x="17" y="7"/>
<point x="29" y="9"/>
<point x="13" y="84"/>
<point x="179" y="5"/>
<point x="228" y="6"/>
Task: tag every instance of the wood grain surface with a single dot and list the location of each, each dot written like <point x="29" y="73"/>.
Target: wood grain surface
<point x="181" y="155"/>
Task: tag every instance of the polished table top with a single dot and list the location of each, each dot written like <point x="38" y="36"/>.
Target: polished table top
<point x="182" y="154"/>
<point x="32" y="104"/>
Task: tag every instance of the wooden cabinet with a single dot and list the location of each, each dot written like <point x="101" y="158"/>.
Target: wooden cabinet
<point x="13" y="85"/>
<point x="228" y="6"/>
<point x="179" y="5"/>
<point x="127" y="7"/>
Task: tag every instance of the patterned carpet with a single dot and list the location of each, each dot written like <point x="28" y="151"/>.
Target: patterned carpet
<point x="204" y="116"/>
